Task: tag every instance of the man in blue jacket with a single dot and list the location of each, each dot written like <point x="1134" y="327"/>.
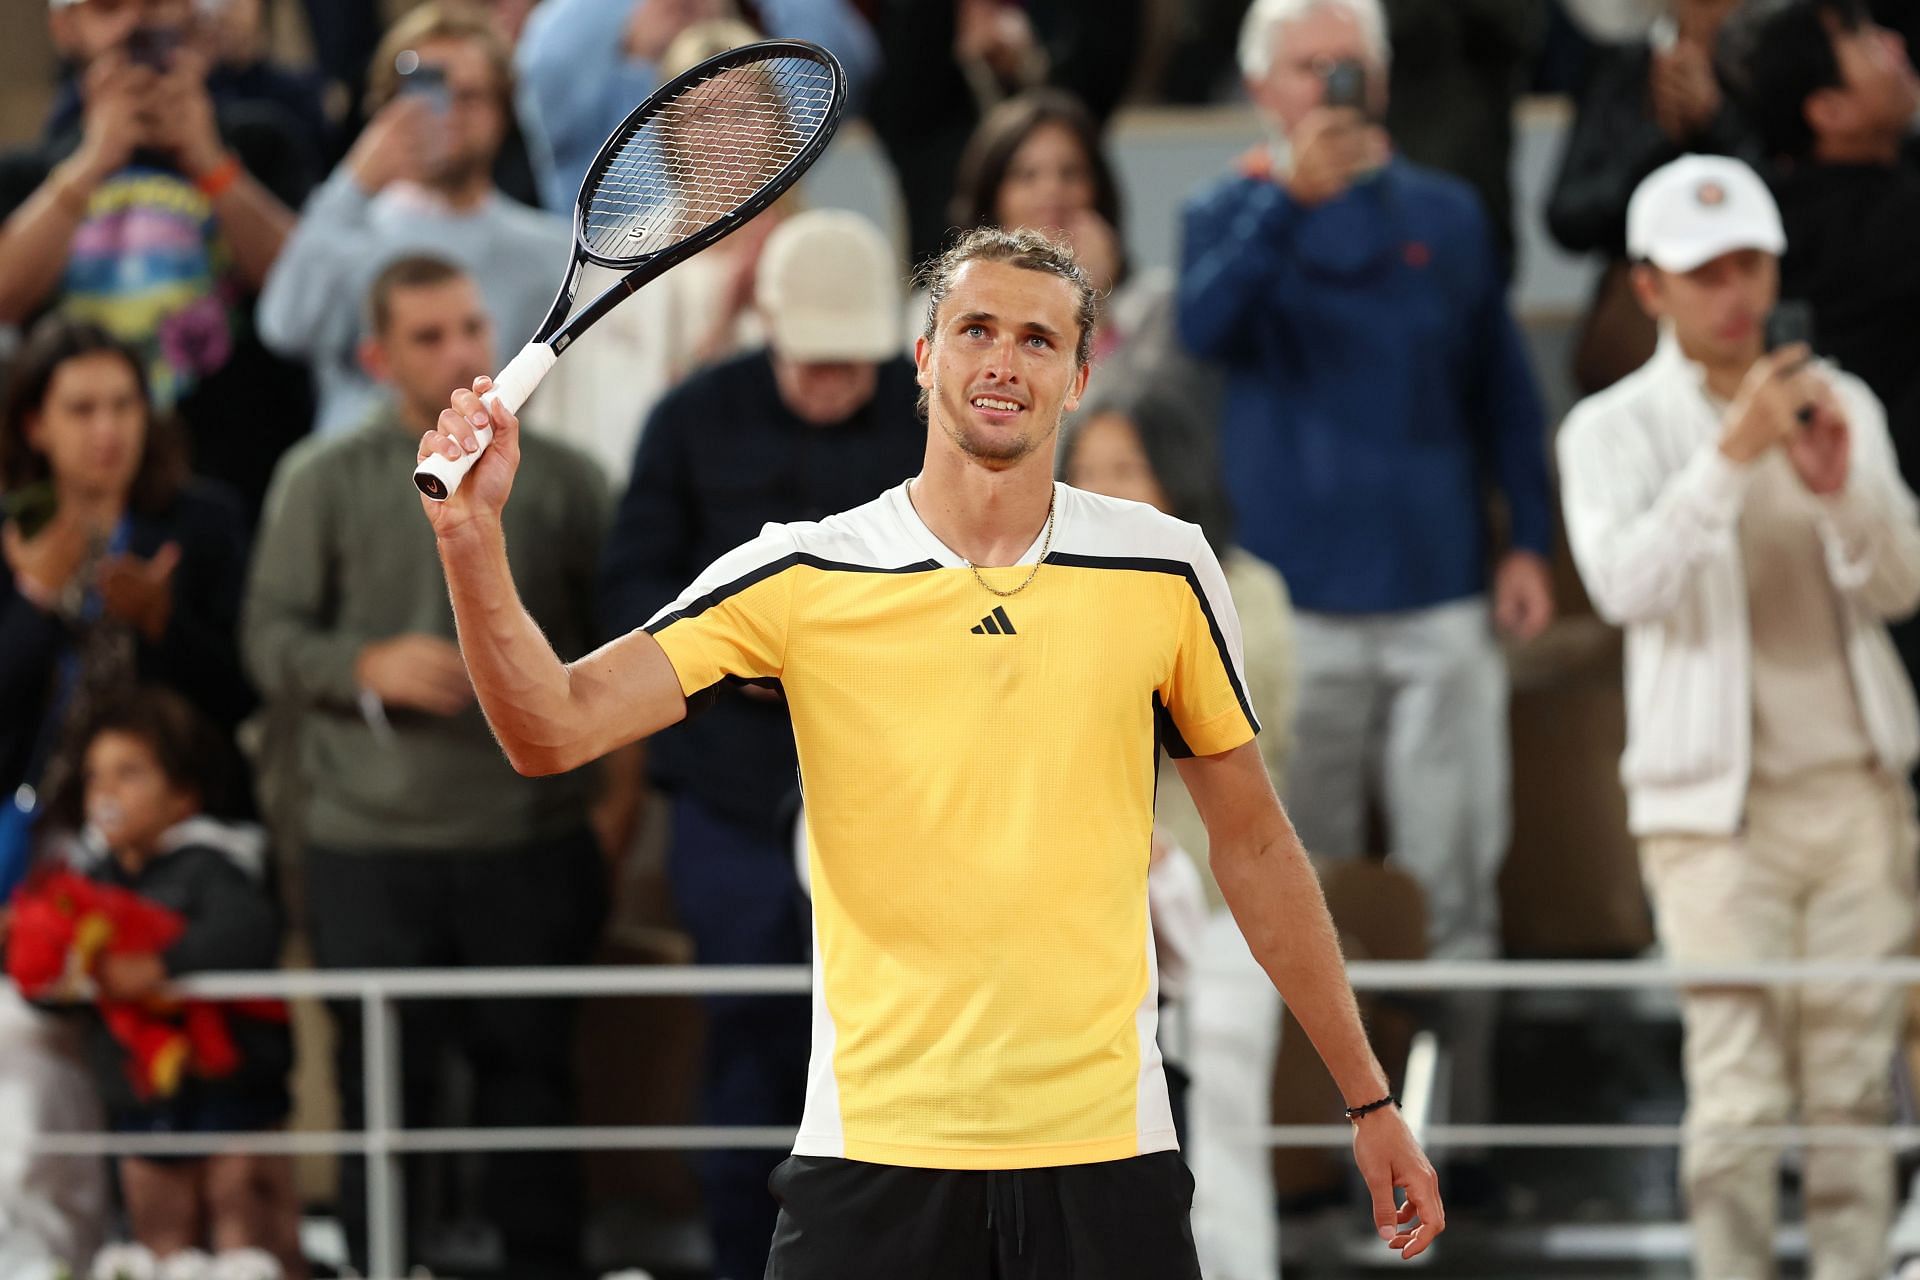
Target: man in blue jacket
<point x="1376" y="383"/>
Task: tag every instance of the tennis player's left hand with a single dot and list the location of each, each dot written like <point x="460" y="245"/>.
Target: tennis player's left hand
<point x="1390" y="1158"/>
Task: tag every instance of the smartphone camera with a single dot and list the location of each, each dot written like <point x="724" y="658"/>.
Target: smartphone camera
<point x="1790" y="322"/>
<point x="1346" y="85"/>
<point x="423" y="79"/>
<point x="153" y="47"/>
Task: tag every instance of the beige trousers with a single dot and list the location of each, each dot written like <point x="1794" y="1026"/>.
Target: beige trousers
<point x="1824" y="870"/>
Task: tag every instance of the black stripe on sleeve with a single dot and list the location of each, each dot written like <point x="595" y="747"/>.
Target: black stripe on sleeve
<point x="1179" y="569"/>
<point x="772" y="569"/>
<point x="1169" y="734"/>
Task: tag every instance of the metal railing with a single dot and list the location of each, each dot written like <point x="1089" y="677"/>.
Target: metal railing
<point x="384" y="1140"/>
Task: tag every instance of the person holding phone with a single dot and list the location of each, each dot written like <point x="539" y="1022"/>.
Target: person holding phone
<point x="418" y="180"/>
<point x="157" y="212"/>
<point x="1740" y="512"/>
<point x="347" y="631"/>
<point x="117" y="567"/>
<point x="1377" y="388"/>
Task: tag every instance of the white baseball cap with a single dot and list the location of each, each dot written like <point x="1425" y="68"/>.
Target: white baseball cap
<point x="830" y="289"/>
<point x="1691" y="210"/>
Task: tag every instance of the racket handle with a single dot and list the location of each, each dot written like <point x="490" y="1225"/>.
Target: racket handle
<point x="439" y="477"/>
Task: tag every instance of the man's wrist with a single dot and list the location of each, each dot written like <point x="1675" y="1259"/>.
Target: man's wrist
<point x="216" y="179"/>
<point x="1736" y="449"/>
<point x="366" y="179"/>
<point x="73" y="183"/>
<point x="480" y="534"/>
<point x="1385" y="1102"/>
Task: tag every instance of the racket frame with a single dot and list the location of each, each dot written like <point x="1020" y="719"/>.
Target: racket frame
<point x="557" y="330"/>
<point x="439" y="477"/>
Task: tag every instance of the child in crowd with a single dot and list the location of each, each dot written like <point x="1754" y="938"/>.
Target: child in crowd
<point x="150" y="776"/>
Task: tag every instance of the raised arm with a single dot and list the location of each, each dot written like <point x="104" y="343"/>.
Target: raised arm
<point x="1639" y="530"/>
<point x="1871" y="527"/>
<point x="1230" y="265"/>
<point x="35" y="240"/>
<point x="1275" y="898"/>
<point x="549" y="716"/>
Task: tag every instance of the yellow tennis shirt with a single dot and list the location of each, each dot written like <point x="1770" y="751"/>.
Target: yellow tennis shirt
<point x="979" y="778"/>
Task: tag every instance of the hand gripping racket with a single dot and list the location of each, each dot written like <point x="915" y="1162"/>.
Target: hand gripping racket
<point x="693" y="163"/>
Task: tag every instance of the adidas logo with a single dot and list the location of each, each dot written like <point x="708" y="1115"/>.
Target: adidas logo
<point x="996" y="623"/>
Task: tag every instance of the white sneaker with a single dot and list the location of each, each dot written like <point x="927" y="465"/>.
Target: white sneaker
<point x="246" y="1264"/>
<point x="188" y="1264"/>
<point x="125" y="1262"/>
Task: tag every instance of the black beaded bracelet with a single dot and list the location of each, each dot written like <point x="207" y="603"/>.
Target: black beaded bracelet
<point x="1354" y="1113"/>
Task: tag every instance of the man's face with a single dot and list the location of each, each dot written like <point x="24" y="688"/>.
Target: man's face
<point x="1719" y="309"/>
<point x="1001" y="367"/>
<point x="438" y="337"/>
<point x="474" y="124"/>
<point x="1878" y="91"/>
<point x="825" y="393"/>
<point x="1307" y="48"/>
<point x="91" y="29"/>
<point x="727" y="137"/>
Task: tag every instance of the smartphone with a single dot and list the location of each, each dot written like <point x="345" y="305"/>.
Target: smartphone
<point x="31" y="508"/>
<point x="425" y="79"/>
<point x="154" y="47"/>
<point x="1790" y="322"/>
<point x="1346" y="85"/>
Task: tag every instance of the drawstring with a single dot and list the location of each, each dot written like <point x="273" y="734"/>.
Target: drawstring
<point x="1019" y="1206"/>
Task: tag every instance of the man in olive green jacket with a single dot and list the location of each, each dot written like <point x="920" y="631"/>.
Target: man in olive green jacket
<point x="424" y="847"/>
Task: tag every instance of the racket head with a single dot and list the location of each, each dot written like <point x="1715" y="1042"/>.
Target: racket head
<point x="708" y="151"/>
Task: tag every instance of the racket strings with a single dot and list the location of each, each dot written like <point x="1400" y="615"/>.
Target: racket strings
<point x="705" y="154"/>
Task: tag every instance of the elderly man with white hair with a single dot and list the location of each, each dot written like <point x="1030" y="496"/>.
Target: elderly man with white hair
<point x="1377" y="389"/>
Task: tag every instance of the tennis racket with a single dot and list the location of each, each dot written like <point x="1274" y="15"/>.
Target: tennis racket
<point x="696" y="161"/>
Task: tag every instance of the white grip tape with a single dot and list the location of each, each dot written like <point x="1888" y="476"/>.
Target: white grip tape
<point x="438" y="476"/>
<point x="522" y="374"/>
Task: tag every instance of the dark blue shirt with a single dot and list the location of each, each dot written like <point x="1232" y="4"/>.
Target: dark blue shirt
<point x="720" y="457"/>
<point x="1375" y="383"/>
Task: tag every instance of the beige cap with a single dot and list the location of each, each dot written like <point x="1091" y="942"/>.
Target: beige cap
<point x="829" y="286"/>
<point x="1691" y="210"/>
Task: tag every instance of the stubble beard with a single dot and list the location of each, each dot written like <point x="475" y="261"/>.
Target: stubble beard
<point x="996" y="452"/>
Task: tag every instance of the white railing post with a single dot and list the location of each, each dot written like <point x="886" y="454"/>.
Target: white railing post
<point x="386" y="1184"/>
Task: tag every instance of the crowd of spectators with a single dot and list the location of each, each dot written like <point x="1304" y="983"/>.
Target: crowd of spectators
<point x="240" y="291"/>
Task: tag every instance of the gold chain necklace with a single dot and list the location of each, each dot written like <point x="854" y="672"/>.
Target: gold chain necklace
<point x="1046" y="543"/>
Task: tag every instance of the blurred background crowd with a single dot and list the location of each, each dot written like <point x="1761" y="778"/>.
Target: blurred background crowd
<point x="1360" y="259"/>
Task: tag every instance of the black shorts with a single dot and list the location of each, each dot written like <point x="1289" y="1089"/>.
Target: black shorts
<point x="1116" y="1220"/>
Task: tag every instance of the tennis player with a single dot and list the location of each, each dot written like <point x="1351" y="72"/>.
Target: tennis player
<point x="980" y="665"/>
